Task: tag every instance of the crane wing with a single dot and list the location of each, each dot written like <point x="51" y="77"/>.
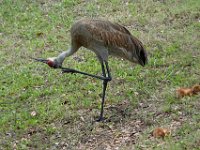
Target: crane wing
<point x="114" y="35"/>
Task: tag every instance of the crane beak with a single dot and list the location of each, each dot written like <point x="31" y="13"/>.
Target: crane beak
<point x="40" y="60"/>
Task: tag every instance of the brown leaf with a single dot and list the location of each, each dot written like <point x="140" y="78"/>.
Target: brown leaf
<point x="161" y="132"/>
<point x="196" y="89"/>
<point x="182" y="92"/>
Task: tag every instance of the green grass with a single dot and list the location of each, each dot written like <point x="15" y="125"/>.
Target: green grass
<point x="138" y="99"/>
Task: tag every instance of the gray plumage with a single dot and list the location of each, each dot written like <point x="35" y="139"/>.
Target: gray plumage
<point x="103" y="38"/>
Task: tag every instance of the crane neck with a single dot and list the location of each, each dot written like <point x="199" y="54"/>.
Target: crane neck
<point x="64" y="54"/>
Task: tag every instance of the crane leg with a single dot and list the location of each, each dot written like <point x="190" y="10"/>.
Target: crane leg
<point x="109" y="78"/>
<point x="105" y="78"/>
<point x="105" y="83"/>
<point x="103" y="100"/>
<point x="69" y="70"/>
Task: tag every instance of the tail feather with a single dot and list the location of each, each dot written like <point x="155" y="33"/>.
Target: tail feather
<point x="143" y="56"/>
<point x="140" y="51"/>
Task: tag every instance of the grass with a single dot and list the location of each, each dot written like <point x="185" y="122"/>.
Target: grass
<point x="138" y="99"/>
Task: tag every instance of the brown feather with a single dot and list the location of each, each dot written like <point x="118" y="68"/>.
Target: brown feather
<point x="91" y="33"/>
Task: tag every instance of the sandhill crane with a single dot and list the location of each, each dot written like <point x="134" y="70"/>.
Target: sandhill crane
<point x="103" y="38"/>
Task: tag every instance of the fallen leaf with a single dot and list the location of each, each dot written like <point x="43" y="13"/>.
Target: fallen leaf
<point x="33" y="113"/>
<point x="31" y="131"/>
<point x="82" y="118"/>
<point x="15" y="146"/>
<point x="161" y="132"/>
<point x="40" y="34"/>
<point x="196" y="89"/>
<point x="182" y="92"/>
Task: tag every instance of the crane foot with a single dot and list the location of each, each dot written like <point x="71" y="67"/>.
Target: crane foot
<point x="101" y="119"/>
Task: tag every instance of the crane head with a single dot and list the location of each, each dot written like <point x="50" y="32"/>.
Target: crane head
<point x="51" y="62"/>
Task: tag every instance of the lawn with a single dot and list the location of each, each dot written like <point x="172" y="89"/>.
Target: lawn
<point x="41" y="108"/>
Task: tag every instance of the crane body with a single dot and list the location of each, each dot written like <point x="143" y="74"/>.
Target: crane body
<point x="103" y="38"/>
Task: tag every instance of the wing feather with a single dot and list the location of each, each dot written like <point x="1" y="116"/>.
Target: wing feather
<point x="113" y="34"/>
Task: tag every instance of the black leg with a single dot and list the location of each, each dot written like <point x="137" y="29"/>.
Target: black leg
<point x="109" y="78"/>
<point x="105" y="83"/>
<point x="69" y="70"/>
<point x="105" y="78"/>
<point x="103" y="69"/>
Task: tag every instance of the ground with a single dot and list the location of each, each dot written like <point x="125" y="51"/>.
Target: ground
<point x="41" y="108"/>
